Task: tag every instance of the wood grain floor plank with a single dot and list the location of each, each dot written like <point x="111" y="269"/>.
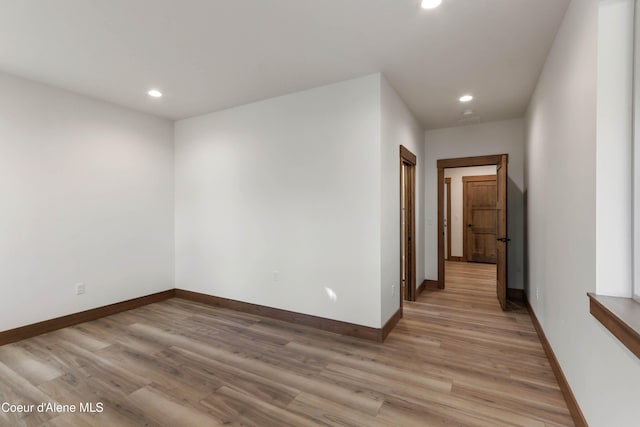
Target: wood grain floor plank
<point x="27" y="365"/>
<point x="252" y="411"/>
<point x="371" y="367"/>
<point x="455" y="359"/>
<point x="75" y="420"/>
<point x="167" y="412"/>
<point x="82" y="338"/>
<point x="267" y="389"/>
<point x="118" y="409"/>
<point x="17" y="390"/>
<point x="444" y="413"/>
<point x="331" y="413"/>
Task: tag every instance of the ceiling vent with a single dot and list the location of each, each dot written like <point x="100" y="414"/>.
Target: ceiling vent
<point x="469" y="119"/>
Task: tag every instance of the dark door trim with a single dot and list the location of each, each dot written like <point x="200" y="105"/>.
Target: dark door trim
<point x="447" y="183"/>
<point x="408" y="159"/>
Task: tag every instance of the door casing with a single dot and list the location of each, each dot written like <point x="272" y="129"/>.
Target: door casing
<point x="447" y="183"/>
<point x="500" y="161"/>
<point x="409" y="160"/>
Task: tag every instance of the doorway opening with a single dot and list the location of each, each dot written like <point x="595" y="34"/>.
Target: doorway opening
<point x="483" y="233"/>
<point x="407" y="225"/>
<point x="470" y="214"/>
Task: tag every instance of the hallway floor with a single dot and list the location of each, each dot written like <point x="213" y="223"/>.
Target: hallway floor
<point x="455" y="359"/>
<point x="493" y="358"/>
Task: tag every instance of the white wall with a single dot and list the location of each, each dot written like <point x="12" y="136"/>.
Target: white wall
<point x="87" y="196"/>
<point x="613" y="148"/>
<point x="477" y="140"/>
<point x="561" y="224"/>
<point x="290" y="184"/>
<point x="457" y="204"/>
<point x="398" y="127"/>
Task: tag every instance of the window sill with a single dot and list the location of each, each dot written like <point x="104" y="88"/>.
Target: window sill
<point x="621" y="316"/>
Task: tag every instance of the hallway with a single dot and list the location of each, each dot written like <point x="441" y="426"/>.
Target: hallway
<point x="493" y="358"/>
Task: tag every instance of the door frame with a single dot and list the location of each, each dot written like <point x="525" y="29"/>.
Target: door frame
<point x="495" y="159"/>
<point x="465" y="209"/>
<point x="447" y="183"/>
<point x="407" y="158"/>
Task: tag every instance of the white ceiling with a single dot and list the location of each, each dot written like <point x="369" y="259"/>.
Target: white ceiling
<point x="208" y="55"/>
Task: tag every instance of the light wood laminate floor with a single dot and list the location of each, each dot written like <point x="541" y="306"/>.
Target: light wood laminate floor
<point x="454" y="359"/>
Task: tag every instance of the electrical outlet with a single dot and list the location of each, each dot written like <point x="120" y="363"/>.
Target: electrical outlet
<point x="276" y="275"/>
<point x="393" y="290"/>
<point x="537" y="293"/>
<point x="80" y="288"/>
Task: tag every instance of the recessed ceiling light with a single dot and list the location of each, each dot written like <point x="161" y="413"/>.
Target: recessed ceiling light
<point x="466" y="98"/>
<point x="430" y="4"/>
<point x="155" y="93"/>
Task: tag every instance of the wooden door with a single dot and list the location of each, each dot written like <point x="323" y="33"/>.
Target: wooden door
<point x="502" y="239"/>
<point x="480" y="217"/>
